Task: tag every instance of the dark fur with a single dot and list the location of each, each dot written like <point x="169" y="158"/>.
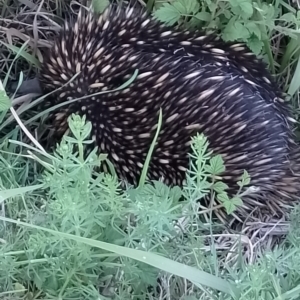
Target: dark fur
<point x="233" y="100"/>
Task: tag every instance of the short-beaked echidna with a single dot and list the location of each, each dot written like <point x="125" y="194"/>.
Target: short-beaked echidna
<point x="201" y="83"/>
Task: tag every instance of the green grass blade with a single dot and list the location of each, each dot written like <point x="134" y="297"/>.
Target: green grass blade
<point x="147" y="161"/>
<point x="165" y="264"/>
<point x="18" y="191"/>
<point x="295" y="82"/>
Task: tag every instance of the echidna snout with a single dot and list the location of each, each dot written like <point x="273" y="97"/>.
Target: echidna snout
<point x="201" y="83"/>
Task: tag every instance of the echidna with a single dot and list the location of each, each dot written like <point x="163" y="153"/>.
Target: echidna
<point x="201" y="83"/>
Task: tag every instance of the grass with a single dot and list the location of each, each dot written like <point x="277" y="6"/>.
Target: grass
<point x="68" y="234"/>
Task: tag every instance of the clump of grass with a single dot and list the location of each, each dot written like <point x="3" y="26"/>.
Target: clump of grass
<point x="81" y="203"/>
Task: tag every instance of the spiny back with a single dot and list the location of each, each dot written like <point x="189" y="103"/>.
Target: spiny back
<point x="135" y="32"/>
<point x="201" y="83"/>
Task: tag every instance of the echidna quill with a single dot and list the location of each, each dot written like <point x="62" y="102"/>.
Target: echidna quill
<point x="296" y="3"/>
<point x="201" y="83"/>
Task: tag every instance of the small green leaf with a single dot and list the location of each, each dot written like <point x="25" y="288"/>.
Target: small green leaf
<point x="234" y="3"/>
<point x="180" y="7"/>
<point x="288" y="17"/>
<point x="70" y="139"/>
<point x="247" y="8"/>
<point x="100" y="5"/>
<point x="223" y="197"/>
<point x="212" y="6"/>
<point x="186" y="7"/>
<point x="245" y="179"/>
<point x="192" y="6"/>
<point x="227" y="14"/>
<point x="220" y="187"/>
<point x="255" y="45"/>
<point x="237" y="201"/>
<point x="254" y="29"/>
<point x="235" y="30"/>
<point x="230" y="207"/>
<point x="269" y="11"/>
<point x="240" y="30"/>
<point x="86" y="130"/>
<point x="216" y="165"/>
<point x="167" y="14"/>
<point x="20" y="288"/>
<point x="203" y="16"/>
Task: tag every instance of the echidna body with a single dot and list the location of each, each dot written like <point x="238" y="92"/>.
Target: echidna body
<point x="201" y="84"/>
